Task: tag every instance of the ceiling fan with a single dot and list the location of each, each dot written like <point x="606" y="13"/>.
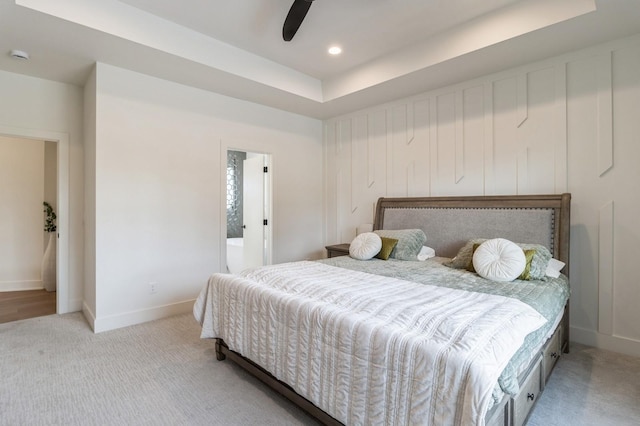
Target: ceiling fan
<point x="296" y="15"/>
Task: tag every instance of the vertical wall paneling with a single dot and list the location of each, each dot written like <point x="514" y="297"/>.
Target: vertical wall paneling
<point x="560" y="128"/>
<point x="473" y="128"/>
<point x="605" y="113"/>
<point x="545" y="127"/>
<point x="489" y="177"/>
<point x="378" y="135"/>
<point x="523" y="102"/>
<point x="446" y="141"/>
<point x="505" y="136"/>
<point x="343" y="156"/>
<point x="605" y="269"/>
<point x="623" y="180"/>
<point x="433" y="148"/>
<point x="371" y="155"/>
<point x="459" y="137"/>
<point x="522" y="113"/>
<point x="359" y="163"/>
<point x="398" y="151"/>
<point x="410" y="123"/>
<point x="331" y="209"/>
<point x="522" y="169"/>
<point x="410" y="162"/>
<point x="420" y="148"/>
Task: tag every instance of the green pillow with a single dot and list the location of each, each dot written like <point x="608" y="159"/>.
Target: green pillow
<point x="388" y="244"/>
<point x="410" y="241"/>
<point x="526" y="274"/>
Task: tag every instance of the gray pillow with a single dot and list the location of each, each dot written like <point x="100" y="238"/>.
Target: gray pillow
<point x="541" y="257"/>
<point x="410" y="241"/>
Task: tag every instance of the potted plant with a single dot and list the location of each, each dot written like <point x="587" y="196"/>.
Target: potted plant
<point x="49" y="258"/>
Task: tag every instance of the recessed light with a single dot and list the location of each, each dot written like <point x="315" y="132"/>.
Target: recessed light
<point x="335" y="50"/>
<point x="19" y="54"/>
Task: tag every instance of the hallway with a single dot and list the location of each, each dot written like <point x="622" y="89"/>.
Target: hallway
<point x="18" y="305"/>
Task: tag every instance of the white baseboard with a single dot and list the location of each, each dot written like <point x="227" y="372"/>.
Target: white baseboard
<point x="618" y="344"/>
<point x="113" y="322"/>
<point x="21" y="285"/>
<point x="89" y="316"/>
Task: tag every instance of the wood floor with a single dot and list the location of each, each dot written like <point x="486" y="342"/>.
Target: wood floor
<point x="17" y="305"/>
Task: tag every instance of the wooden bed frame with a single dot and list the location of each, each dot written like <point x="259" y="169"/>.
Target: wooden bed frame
<point x="543" y="219"/>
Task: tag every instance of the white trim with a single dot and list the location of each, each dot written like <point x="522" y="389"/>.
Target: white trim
<point x="618" y="344"/>
<point x="62" y="270"/>
<point x="126" y="319"/>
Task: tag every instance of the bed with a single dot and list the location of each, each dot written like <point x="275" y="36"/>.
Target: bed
<point x="379" y="342"/>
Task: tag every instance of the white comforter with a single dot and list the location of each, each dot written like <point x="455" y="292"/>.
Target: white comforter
<point x="369" y="349"/>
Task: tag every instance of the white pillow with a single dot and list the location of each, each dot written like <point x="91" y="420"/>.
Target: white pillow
<point x="426" y="253"/>
<point x="365" y="246"/>
<point x="554" y="267"/>
<point x="499" y="260"/>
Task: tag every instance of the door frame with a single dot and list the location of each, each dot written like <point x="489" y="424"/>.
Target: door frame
<point x="268" y="200"/>
<point x="62" y="220"/>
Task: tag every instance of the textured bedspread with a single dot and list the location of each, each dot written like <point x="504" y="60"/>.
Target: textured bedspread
<point x="547" y="297"/>
<point x="365" y="348"/>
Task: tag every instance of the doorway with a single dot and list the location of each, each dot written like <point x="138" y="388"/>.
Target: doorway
<point x="28" y="179"/>
<point x="59" y="142"/>
<point x="248" y="207"/>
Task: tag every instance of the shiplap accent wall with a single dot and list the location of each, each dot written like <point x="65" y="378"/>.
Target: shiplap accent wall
<point x="568" y="124"/>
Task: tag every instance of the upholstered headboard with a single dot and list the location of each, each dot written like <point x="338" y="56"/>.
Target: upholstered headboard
<point x="449" y="222"/>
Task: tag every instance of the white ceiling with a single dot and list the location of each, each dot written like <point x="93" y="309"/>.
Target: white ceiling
<point x="391" y="48"/>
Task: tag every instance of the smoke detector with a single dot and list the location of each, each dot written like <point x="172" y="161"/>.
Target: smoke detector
<point x="19" y="54"/>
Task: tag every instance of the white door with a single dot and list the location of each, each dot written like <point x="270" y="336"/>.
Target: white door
<point x="253" y="211"/>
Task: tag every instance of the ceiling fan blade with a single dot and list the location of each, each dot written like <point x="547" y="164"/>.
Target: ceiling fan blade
<point x="296" y="15"/>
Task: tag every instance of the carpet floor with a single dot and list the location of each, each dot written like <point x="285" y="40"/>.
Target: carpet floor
<point x="55" y="371"/>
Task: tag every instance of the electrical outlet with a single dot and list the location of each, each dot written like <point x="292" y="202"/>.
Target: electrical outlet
<point x="153" y="287"/>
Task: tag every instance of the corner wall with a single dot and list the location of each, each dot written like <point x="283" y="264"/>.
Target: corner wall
<point x="568" y="124"/>
<point x="160" y="157"/>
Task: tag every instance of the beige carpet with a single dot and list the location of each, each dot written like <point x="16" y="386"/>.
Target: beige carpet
<point x="55" y="371"/>
<point x="591" y="387"/>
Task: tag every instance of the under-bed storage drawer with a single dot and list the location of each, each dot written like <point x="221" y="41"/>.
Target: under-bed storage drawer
<point x="552" y="352"/>
<point x="529" y="392"/>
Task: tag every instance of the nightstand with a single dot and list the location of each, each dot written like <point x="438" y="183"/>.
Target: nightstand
<point x="338" y="250"/>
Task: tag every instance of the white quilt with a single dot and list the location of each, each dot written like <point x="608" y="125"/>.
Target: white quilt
<point x="369" y="349"/>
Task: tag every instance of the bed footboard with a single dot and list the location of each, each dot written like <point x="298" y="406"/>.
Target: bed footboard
<point x="512" y="411"/>
<point x="223" y="352"/>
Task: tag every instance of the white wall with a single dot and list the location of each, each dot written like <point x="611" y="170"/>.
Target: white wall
<point x="89" y="302"/>
<point x="160" y="161"/>
<point x="21" y="217"/>
<point x="35" y="106"/>
<point x="566" y="124"/>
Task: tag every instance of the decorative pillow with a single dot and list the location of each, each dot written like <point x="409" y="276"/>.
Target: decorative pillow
<point x="528" y="255"/>
<point x="554" y="267"/>
<point x="465" y="254"/>
<point x="365" y="246"/>
<point x="410" y="241"/>
<point x="499" y="260"/>
<point x="388" y="244"/>
<point x="426" y="253"/>
<point x="539" y="261"/>
<point x="526" y="273"/>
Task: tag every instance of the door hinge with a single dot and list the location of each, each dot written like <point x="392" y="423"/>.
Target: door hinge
<point x="265" y="223"/>
<point x="266" y="169"/>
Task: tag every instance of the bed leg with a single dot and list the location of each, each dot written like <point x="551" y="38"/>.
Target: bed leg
<point x="220" y="356"/>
